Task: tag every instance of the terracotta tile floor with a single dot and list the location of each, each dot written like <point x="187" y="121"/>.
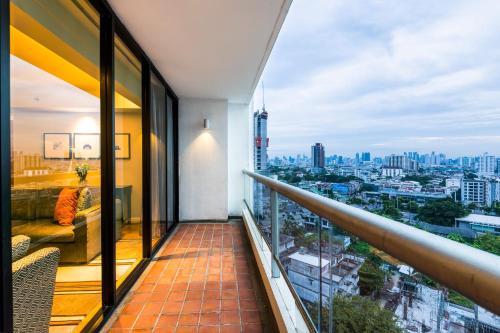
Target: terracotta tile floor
<point x="204" y="280"/>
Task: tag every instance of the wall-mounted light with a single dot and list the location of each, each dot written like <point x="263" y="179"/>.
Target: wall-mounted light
<point x="206" y="123"/>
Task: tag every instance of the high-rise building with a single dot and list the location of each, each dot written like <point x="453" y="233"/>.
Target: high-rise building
<point x="482" y="192"/>
<point x="402" y="162"/>
<point x="473" y="191"/>
<point x="365" y="157"/>
<point x="487" y="164"/>
<point x="318" y="156"/>
<point x="465" y="161"/>
<point x="261" y="141"/>
<point x="357" y="159"/>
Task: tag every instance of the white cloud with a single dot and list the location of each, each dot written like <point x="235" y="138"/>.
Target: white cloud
<point x="351" y="73"/>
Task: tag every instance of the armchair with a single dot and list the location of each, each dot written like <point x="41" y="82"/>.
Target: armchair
<point x="20" y="245"/>
<point x="33" y="283"/>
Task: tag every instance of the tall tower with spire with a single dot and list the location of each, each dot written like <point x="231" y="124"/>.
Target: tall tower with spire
<point x="261" y="141"/>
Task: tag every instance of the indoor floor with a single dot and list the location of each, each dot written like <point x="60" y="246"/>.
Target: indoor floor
<point x="78" y="287"/>
<point x="203" y="280"/>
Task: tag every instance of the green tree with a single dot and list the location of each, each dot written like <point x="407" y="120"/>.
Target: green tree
<point x="412" y="207"/>
<point x="442" y="212"/>
<point x="456" y="238"/>
<point x="371" y="278"/>
<point x="471" y="206"/>
<point x="360" y="247"/>
<point x="293" y="179"/>
<point x="308" y="240"/>
<point x="389" y="210"/>
<point x="457" y="298"/>
<point x="355" y="201"/>
<point x="356" y="314"/>
<point x="489" y="243"/>
<point x="293" y="229"/>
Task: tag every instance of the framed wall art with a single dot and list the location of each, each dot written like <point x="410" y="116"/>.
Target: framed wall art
<point x="86" y="146"/>
<point x="57" y="146"/>
<point x="122" y="146"/>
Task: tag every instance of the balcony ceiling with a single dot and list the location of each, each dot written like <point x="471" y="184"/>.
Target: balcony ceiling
<point x="206" y="49"/>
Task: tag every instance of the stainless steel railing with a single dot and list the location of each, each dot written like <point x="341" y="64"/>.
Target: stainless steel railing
<point x="471" y="272"/>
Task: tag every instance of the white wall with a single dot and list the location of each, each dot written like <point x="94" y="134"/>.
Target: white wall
<point x="203" y="160"/>
<point x="238" y="154"/>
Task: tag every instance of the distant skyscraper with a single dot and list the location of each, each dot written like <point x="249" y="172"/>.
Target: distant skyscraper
<point x="365" y="157"/>
<point x="401" y="161"/>
<point x="261" y="141"/>
<point x="318" y="156"/>
<point x="487" y="164"/>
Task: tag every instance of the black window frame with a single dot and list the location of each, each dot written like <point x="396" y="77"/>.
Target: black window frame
<point x="110" y="25"/>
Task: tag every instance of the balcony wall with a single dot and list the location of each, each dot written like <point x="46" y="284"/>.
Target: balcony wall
<point x="211" y="160"/>
<point x="240" y="150"/>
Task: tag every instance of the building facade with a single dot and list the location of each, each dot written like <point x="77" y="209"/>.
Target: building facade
<point x="473" y="191"/>
<point x="261" y="141"/>
<point x="487" y="165"/>
<point x="402" y="162"/>
<point x="318" y="156"/>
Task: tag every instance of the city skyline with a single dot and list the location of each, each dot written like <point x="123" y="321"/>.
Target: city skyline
<point x="352" y="155"/>
<point x="385" y="77"/>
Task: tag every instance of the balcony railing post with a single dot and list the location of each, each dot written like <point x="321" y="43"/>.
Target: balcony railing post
<point x="275" y="234"/>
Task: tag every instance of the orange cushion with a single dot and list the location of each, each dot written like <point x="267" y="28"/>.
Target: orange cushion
<point x="65" y="210"/>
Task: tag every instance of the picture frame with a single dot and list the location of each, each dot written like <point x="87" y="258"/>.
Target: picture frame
<point x="86" y="146"/>
<point x="122" y="146"/>
<point x="57" y="146"/>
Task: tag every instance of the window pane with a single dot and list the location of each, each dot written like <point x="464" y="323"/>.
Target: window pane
<point x="158" y="159"/>
<point x="128" y="160"/>
<point x="55" y="159"/>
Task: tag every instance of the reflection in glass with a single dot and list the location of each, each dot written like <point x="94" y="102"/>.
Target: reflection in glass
<point x="158" y="160"/>
<point x="128" y="160"/>
<point x="56" y="185"/>
<point x="170" y="163"/>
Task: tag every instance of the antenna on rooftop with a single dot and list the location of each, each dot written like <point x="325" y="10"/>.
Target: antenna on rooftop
<point x="263" y="98"/>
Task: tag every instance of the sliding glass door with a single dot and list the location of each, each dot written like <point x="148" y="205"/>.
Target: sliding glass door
<point x="55" y="164"/>
<point x="128" y="160"/>
<point x="90" y="194"/>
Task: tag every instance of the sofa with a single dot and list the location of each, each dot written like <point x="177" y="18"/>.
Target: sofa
<point x="33" y="216"/>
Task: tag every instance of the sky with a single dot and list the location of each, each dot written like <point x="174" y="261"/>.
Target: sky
<point x="385" y="77"/>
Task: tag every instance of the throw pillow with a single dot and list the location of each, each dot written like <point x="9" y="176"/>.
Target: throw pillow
<point x="65" y="210"/>
<point x="84" y="199"/>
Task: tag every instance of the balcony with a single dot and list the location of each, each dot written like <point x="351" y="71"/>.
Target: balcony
<point x="220" y="277"/>
<point x="159" y="117"/>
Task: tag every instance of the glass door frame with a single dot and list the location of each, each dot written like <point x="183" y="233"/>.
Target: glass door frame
<point x="109" y="26"/>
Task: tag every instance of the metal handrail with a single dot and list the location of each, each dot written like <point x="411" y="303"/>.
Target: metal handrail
<point x="467" y="270"/>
